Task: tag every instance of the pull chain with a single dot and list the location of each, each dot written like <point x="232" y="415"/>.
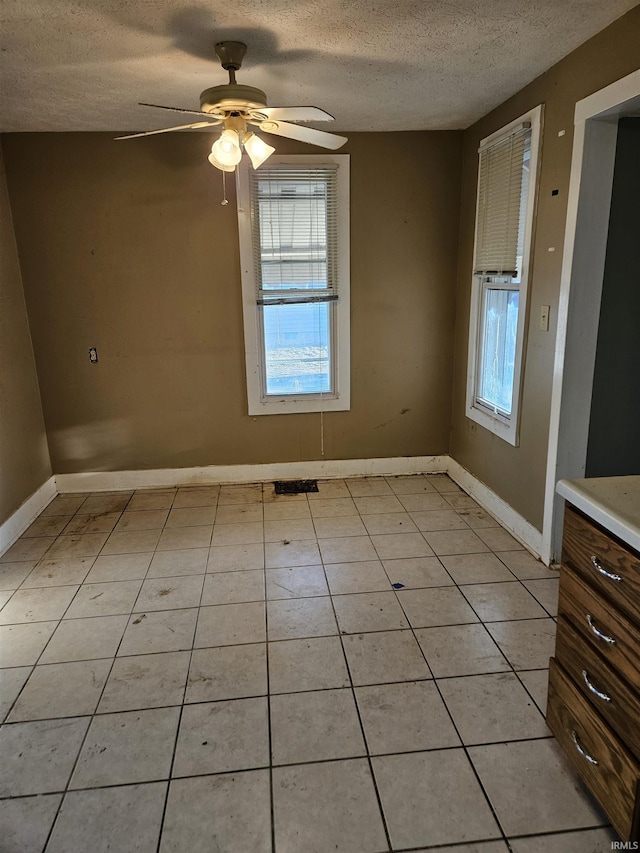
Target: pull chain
<point x="225" y="200"/>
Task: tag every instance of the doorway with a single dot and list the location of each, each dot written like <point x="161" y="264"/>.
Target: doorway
<point x="613" y="448"/>
<point x="581" y="289"/>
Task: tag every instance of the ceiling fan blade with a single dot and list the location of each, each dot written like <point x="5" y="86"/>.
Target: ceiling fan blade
<point x="296" y="114"/>
<point x="303" y="134"/>
<point x="195" y="126"/>
<point x="177" y="109"/>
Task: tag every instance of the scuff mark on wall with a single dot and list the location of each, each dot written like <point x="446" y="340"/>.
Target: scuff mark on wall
<point x="391" y="420"/>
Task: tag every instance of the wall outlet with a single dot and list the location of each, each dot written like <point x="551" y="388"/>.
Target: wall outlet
<point x="93" y="355"/>
<point x="544" y="318"/>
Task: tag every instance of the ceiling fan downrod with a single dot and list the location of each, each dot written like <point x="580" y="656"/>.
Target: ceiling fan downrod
<point x="231" y="54"/>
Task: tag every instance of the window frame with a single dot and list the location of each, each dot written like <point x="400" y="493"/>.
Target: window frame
<point x="500" y="424"/>
<point x="259" y="403"/>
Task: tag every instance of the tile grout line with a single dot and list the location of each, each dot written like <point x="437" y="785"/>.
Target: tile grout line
<point x="134" y="611"/>
<point x="184" y="691"/>
<point x="290" y="692"/>
<point x="435" y="680"/>
<point x="484" y="625"/>
<point x="59" y="621"/>
<point x="462" y="743"/>
<point x="499" y="825"/>
<point x="510" y="664"/>
<point x="84" y="738"/>
<point x="513" y="670"/>
<point x="266" y="651"/>
<point x="352" y="757"/>
<point x="388" y="630"/>
<point x="200" y="775"/>
<point x="95" y="712"/>
<point x="360" y="721"/>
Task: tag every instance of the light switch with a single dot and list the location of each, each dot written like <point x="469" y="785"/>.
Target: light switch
<point x="544" y="317"/>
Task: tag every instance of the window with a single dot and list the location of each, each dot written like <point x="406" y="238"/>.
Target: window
<point x="293" y="216"/>
<point x="504" y="224"/>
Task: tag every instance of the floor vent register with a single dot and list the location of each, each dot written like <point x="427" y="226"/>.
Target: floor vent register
<point x="295" y="487"/>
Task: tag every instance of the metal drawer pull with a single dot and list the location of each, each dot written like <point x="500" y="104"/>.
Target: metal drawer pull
<point x="583" y="753"/>
<point x="598" y="565"/>
<point x="599" y="634"/>
<point x="598" y="693"/>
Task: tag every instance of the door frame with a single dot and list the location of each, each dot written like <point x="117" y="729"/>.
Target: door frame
<point x="588" y="205"/>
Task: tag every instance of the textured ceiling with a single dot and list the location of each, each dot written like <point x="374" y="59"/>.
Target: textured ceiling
<point x="374" y="64"/>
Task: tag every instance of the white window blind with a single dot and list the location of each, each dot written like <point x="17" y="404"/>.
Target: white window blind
<point x="294" y="221"/>
<point x="502" y="175"/>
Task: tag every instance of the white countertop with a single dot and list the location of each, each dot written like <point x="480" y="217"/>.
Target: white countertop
<point x="613" y="502"/>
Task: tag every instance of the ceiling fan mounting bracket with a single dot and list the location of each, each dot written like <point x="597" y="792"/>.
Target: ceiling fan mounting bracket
<point x="231" y="54"/>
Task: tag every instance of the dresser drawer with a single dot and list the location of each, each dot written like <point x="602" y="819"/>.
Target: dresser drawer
<point x="601" y="685"/>
<point x="604" y="562"/>
<point x="609" y="770"/>
<point x="603" y="627"/>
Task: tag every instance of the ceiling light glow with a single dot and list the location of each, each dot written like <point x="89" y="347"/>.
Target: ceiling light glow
<point x="226" y="150"/>
<point x="257" y="149"/>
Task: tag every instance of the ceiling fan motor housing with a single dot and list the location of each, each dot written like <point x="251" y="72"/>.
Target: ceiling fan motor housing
<point x="232" y="97"/>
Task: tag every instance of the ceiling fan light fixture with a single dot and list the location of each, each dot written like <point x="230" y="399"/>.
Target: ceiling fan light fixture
<point x="257" y="149"/>
<point x="226" y="149"/>
<point x="212" y="159"/>
<point x="234" y="106"/>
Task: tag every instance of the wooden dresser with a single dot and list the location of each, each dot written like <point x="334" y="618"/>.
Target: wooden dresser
<point x="594" y="679"/>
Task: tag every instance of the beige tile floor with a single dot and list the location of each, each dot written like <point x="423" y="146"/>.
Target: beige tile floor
<point x="361" y="669"/>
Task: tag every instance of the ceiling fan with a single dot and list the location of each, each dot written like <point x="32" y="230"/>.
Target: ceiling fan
<point x="237" y="108"/>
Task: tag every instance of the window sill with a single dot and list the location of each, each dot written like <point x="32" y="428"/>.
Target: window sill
<point x="506" y="430"/>
<point x="299" y="405"/>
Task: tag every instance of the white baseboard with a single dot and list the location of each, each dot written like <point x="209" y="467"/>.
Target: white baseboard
<point x="516" y="524"/>
<point x="18" y="522"/>
<point x="105" y="481"/>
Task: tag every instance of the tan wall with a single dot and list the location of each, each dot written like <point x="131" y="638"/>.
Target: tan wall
<point x="24" y="456"/>
<point x="125" y="246"/>
<point x="517" y="474"/>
